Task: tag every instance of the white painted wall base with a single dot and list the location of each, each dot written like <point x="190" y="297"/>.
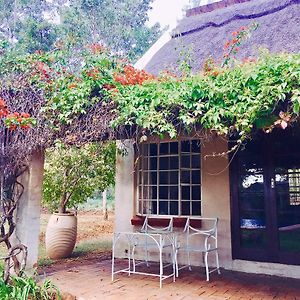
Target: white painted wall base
<point x="266" y="268"/>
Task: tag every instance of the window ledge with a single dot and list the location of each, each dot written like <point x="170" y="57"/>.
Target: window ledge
<point x="178" y="222"/>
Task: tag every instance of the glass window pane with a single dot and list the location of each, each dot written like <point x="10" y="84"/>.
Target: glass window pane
<point x="196" y="208"/>
<point x="163" y="148"/>
<point x="185" y="177"/>
<point x="153" y="163"/>
<point x="163" y="208"/>
<point x="185" y="193"/>
<point x="147" y="207"/>
<point x="146" y="178"/>
<point x="164" y="163"/>
<point x="174" y="162"/>
<point x="185" y="146"/>
<point x="153" y="192"/>
<point x="174" y="192"/>
<point x="174" y="207"/>
<point x="163" y="192"/>
<point x="174" y="148"/>
<point x="153" y="178"/>
<point x="196" y="177"/>
<point x="140" y="207"/>
<point x="196" y="161"/>
<point x="174" y="177"/>
<point x="154" y="207"/>
<point x="196" y="192"/>
<point x="185" y="208"/>
<point x="153" y="149"/>
<point x="163" y="177"/>
<point x="145" y="192"/>
<point x="196" y="146"/>
<point x="185" y="161"/>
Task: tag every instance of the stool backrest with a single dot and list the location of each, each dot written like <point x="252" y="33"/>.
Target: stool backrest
<point x="147" y="227"/>
<point x="210" y="230"/>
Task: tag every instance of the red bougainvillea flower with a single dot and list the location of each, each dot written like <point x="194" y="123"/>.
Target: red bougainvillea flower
<point x="132" y="76"/>
<point x="72" y="86"/>
<point x="25" y="115"/>
<point x="3" y="109"/>
<point x="109" y="86"/>
<point x="93" y="73"/>
<point x="25" y="126"/>
<point x="227" y="45"/>
<point x="97" y="48"/>
<point x="3" y="113"/>
<point x="12" y="127"/>
<point x="39" y="52"/>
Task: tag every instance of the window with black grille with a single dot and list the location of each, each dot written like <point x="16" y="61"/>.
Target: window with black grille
<point x="169" y="178"/>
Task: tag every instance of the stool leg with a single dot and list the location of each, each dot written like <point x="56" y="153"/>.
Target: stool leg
<point x="217" y="261"/>
<point x="206" y="266"/>
<point x="160" y="268"/>
<point x="189" y="260"/>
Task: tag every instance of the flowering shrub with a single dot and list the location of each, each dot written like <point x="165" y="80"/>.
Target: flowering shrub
<point x="132" y="76"/>
<point x="14" y="120"/>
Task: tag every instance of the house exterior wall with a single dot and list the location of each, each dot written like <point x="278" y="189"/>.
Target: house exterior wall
<point x="215" y="203"/>
<point x="216" y="194"/>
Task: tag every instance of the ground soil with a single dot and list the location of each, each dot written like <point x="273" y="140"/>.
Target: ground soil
<point x="91" y="226"/>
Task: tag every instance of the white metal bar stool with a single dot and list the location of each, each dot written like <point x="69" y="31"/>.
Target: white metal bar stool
<point x="207" y="243"/>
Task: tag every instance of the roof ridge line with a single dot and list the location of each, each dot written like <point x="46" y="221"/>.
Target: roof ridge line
<point x="237" y="17"/>
<point x="202" y="9"/>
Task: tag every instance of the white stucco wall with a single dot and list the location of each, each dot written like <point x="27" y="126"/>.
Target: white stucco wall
<point x="124" y="192"/>
<point x="215" y="203"/>
<point x="216" y="194"/>
<point x="29" y="209"/>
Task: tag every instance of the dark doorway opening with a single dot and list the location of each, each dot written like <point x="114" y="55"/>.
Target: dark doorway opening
<point x="265" y="198"/>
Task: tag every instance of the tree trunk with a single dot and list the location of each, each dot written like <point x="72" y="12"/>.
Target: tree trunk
<point x="62" y="204"/>
<point x="104" y="205"/>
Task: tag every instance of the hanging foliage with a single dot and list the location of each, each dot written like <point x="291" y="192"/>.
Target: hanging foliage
<point x="89" y="94"/>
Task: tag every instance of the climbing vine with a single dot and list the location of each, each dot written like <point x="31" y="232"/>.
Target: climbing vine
<point x="232" y="98"/>
<point x="231" y="101"/>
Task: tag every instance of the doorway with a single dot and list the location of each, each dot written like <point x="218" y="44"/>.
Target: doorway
<point x="265" y="198"/>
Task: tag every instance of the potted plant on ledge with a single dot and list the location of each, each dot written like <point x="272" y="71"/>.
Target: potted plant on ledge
<point x="72" y="175"/>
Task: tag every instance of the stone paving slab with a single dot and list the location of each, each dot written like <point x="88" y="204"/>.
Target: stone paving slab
<point x="93" y="281"/>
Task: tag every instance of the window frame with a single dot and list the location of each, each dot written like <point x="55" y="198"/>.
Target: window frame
<point x="139" y="158"/>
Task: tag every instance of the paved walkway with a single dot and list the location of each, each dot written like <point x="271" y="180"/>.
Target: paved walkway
<point x="92" y="280"/>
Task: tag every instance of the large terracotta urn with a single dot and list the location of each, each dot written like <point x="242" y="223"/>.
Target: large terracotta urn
<point x="61" y="235"/>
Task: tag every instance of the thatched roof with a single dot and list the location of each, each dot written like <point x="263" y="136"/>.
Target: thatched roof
<point x="207" y="28"/>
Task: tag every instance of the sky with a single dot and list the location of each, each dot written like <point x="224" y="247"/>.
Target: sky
<point x="166" y="12"/>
